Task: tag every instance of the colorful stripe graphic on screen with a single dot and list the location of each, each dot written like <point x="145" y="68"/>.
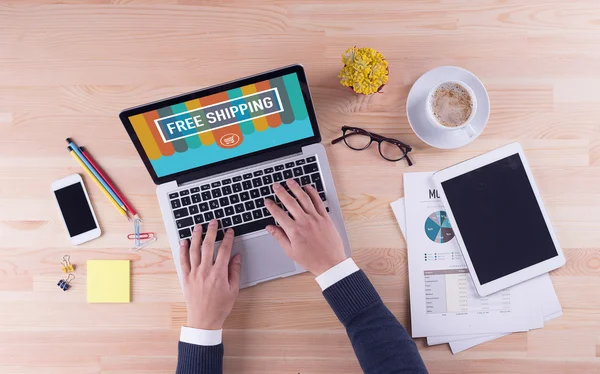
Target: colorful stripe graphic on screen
<point x="246" y="108"/>
<point x="223" y="118"/>
<point x="224" y="125"/>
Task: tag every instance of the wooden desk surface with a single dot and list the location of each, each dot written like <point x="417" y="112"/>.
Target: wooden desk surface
<point x="68" y="69"/>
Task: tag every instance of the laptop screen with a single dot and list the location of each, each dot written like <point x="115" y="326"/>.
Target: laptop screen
<point x="224" y="125"/>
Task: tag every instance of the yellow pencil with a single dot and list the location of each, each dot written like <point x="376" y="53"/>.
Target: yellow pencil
<point x="112" y="200"/>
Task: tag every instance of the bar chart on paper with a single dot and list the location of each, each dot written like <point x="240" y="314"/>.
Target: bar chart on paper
<point x="452" y="291"/>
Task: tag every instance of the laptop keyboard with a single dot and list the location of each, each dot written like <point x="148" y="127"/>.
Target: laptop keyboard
<point x="237" y="201"/>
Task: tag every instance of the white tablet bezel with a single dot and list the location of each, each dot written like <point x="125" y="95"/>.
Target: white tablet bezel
<point x="523" y="274"/>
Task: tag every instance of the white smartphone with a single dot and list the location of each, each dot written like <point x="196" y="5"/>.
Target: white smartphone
<point x="75" y="208"/>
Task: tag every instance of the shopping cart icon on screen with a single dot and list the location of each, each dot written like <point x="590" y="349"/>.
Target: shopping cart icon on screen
<point x="229" y="140"/>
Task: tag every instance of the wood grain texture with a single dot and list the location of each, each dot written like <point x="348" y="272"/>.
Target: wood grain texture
<point x="68" y="67"/>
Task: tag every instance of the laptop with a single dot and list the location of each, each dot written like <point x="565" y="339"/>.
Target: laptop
<point x="215" y="153"/>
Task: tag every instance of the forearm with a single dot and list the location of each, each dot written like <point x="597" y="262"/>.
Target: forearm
<point x="200" y="359"/>
<point x="381" y="344"/>
<point x="200" y="352"/>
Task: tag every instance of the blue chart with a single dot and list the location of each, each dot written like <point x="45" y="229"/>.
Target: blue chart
<point x="437" y="227"/>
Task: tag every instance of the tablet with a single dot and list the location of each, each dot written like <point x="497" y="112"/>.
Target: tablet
<point x="499" y="219"/>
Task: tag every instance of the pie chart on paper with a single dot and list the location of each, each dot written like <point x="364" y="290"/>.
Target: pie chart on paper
<point x="437" y="227"/>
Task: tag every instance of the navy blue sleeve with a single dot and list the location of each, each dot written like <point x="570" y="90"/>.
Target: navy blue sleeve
<point x="381" y="344"/>
<point x="200" y="359"/>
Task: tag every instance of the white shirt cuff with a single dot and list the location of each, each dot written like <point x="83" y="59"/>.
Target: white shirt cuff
<point x="337" y="273"/>
<point x="201" y="337"/>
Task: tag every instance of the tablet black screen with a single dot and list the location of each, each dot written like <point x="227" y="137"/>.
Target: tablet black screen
<point x="499" y="219"/>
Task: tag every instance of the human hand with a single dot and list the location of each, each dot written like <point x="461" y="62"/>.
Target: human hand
<point x="210" y="289"/>
<point x="309" y="238"/>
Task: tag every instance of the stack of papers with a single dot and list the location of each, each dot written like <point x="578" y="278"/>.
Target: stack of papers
<point x="445" y="306"/>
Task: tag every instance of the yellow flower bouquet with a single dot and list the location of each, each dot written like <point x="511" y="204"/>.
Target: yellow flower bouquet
<point x="365" y="70"/>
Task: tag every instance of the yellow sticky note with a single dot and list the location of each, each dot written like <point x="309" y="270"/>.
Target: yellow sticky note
<point x="108" y="281"/>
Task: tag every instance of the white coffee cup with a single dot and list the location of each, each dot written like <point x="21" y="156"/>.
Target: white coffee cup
<point x="466" y="126"/>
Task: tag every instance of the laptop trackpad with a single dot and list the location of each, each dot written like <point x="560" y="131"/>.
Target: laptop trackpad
<point x="263" y="258"/>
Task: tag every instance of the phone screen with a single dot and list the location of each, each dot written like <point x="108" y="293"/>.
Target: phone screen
<point x="75" y="209"/>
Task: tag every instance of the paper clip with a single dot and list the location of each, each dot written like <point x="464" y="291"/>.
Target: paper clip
<point x="137" y="223"/>
<point x="137" y="236"/>
<point x="63" y="284"/>
<point x="136" y="248"/>
<point x="143" y="235"/>
<point x="67" y="267"/>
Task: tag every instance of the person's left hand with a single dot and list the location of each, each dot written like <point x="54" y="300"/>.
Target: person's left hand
<point x="210" y="289"/>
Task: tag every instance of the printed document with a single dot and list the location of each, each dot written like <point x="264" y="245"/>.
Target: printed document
<point x="443" y="298"/>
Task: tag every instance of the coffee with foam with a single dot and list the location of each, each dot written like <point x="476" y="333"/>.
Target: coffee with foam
<point x="451" y="104"/>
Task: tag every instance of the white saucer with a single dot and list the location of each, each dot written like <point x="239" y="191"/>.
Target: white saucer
<point x="417" y="115"/>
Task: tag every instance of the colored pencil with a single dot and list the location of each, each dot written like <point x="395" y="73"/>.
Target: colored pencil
<point x="77" y="151"/>
<point x="108" y="181"/>
<point x="87" y="170"/>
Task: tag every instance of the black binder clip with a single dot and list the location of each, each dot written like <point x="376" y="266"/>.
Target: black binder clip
<point x="63" y="284"/>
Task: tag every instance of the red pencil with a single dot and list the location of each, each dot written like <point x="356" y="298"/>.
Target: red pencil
<point x="95" y="166"/>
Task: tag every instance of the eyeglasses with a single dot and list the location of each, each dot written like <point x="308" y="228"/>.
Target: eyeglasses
<point x="359" y="139"/>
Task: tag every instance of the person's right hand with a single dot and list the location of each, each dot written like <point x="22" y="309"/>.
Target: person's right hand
<point x="210" y="287"/>
<point x="309" y="238"/>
